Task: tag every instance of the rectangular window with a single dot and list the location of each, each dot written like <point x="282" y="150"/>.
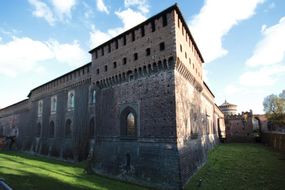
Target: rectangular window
<point x="133" y="36"/>
<point x="147" y="51"/>
<point x="109" y="47"/>
<point x="53" y="104"/>
<point x="135" y="56"/>
<point x="96" y="54"/>
<point x="124" y="61"/>
<point x="102" y="51"/>
<point x="164" y="20"/>
<point x="124" y="40"/>
<point x="106" y="68"/>
<point x="116" y="44"/>
<point x="115" y="64"/>
<point x="98" y="71"/>
<point x="161" y="46"/>
<point x="153" y="25"/>
<point x="142" y="31"/>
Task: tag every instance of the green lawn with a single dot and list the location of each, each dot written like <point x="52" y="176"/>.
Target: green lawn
<point x="241" y="166"/>
<point x="229" y="166"/>
<point x="24" y="172"/>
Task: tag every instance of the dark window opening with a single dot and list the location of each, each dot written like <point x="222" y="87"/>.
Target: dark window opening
<point x="98" y="71"/>
<point x="109" y="48"/>
<point x="180" y="47"/>
<point x="96" y="54"/>
<point x="185" y="55"/>
<point x="182" y="31"/>
<point x="124" y="60"/>
<point x="164" y="20"/>
<point x="128" y="162"/>
<point x="102" y="51"/>
<point x="178" y="23"/>
<point x="161" y="46"/>
<point x="51" y="129"/>
<point x="153" y="26"/>
<point x="91" y="128"/>
<point x="68" y="129"/>
<point x="142" y="31"/>
<point x="133" y="36"/>
<point x="106" y="68"/>
<point x="135" y="56"/>
<point x="147" y="51"/>
<point x="124" y="40"/>
<point x="39" y="129"/>
<point x="115" y="64"/>
<point x="116" y="44"/>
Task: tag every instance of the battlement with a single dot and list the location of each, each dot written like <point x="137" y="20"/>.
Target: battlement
<point x="239" y="115"/>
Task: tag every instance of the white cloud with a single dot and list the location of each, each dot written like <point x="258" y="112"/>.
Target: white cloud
<point x="71" y="54"/>
<point x="264" y="76"/>
<point x="129" y="19"/>
<point x="63" y="7"/>
<point x="142" y="5"/>
<point x="59" y="10"/>
<point x="219" y="17"/>
<point x="271" y="49"/>
<point x="24" y="54"/>
<point x="101" y="6"/>
<point x="42" y="11"/>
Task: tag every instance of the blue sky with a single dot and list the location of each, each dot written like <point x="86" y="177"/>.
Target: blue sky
<point x="242" y="42"/>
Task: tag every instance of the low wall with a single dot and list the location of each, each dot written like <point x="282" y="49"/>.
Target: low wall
<point x="275" y="140"/>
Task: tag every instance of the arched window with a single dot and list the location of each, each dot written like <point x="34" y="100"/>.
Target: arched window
<point x="39" y="130"/>
<point x="70" y="100"/>
<point x="68" y="129"/>
<point x="91" y="128"/>
<point x="51" y="129"/>
<point x="53" y="102"/>
<point x="131" y="128"/>
<point x="128" y="122"/>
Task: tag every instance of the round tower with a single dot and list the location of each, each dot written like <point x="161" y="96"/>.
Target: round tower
<point x="228" y="108"/>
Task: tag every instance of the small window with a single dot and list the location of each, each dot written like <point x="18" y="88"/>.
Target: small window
<point x="96" y="54"/>
<point x="124" y="40"/>
<point x="124" y="61"/>
<point x="135" y="56"/>
<point x="102" y="51"/>
<point x="93" y="96"/>
<point x="182" y="31"/>
<point x="147" y="51"/>
<point x="185" y="55"/>
<point x="178" y="23"/>
<point x="153" y="26"/>
<point x="106" y="68"/>
<point x="115" y="64"/>
<point x="116" y="43"/>
<point x="133" y="36"/>
<point x="180" y="47"/>
<point x="142" y="31"/>
<point x="131" y="124"/>
<point x="98" y="71"/>
<point x="164" y="20"/>
<point x="109" y="47"/>
<point x="161" y="46"/>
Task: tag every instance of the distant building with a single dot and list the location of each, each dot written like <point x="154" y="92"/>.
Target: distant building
<point x="141" y="106"/>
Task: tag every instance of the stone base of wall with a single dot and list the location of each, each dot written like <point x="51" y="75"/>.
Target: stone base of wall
<point x="275" y="140"/>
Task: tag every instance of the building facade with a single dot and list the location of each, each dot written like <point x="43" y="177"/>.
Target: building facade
<point x="141" y="106"/>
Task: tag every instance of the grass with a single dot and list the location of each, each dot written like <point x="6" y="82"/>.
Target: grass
<point x="27" y="172"/>
<point x="241" y="166"/>
<point x="229" y="166"/>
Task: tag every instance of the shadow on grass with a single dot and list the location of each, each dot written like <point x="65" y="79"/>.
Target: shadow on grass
<point x="28" y="172"/>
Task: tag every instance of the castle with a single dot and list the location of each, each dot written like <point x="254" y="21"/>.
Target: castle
<point x="141" y="106"/>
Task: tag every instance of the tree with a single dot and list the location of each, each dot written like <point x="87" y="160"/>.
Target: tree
<point x="274" y="107"/>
